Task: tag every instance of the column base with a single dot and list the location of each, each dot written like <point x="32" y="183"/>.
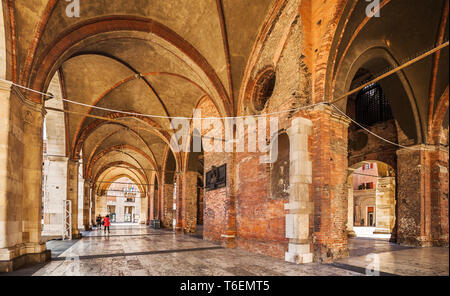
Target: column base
<point x="229" y="240"/>
<point x="351" y="233"/>
<point x="299" y="254"/>
<point x="23" y="255"/>
<point x="382" y="231"/>
<point x="76" y="234"/>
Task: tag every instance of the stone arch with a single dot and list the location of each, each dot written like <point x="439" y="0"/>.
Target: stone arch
<point x="8" y="63"/>
<point x="83" y="134"/>
<point x="376" y="57"/>
<point x="55" y="162"/>
<point x="53" y="55"/>
<point x="3" y="51"/>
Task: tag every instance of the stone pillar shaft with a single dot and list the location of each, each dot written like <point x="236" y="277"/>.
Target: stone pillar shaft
<point x="55" y="192"/>
<point x="72" y="194"/>
<point x="300" y="206"/>
<point x="351" y="209"/>
<point x="86" y="205"/>
<point x="21" y="123"/>
<point x="11" y="145"/>
<point x="385" y="205"/>
<point x="32" y="174"/>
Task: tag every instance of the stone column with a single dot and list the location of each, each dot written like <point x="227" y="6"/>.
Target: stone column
<point x="102" y="208"/>
<point x="55" y="192"/>
<point x="86" y="205"/>
<point x="151" y="203"/>
<point x="72" y="194"/>
<point x="156" y="207"/>
<point x="189" y="203"/>
<point x="351" y="209"/>
<point x="11" y="153"/>
<point x="33" y="117"/>
<point x="385" y="205"/>
<point x="91" y="207"/>
<point x="93" y="204"/>
<point x="20" y="180"/>
<point x="144" y="208"/>
<point x="300" y="206"/>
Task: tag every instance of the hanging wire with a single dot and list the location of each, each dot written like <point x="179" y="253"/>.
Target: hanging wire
<point x="375" y="135"/>
<point x="420" y="57"/>
<point x="410" y="62"/>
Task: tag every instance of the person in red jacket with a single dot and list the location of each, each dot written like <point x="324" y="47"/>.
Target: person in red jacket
<point x="107" y="223"/>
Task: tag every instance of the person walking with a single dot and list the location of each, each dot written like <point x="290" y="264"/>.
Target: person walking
<point x="99" y="222"/>
<point x="107" y="223"/>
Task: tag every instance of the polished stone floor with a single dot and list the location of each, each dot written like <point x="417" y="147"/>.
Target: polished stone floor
<point x="139" y="251"/>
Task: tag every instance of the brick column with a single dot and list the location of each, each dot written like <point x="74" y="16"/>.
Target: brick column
<point x="330" y="164"/>
<point x="300" y="206"/>
<point x="422" y="196"/>
<point x="72" y="194"/>
<point x="178" y="203"/>
<point x="167" y="206"/>
<point x="189" y="201"/>
<point x="439" y="197"/>
<point x="230" y="229"/>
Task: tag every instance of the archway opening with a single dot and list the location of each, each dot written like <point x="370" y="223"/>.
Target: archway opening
<point x="372" y="200"/>
<point x="123" y="202"/>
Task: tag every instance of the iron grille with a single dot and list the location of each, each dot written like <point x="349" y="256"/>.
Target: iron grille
<point x="372" y="106"/>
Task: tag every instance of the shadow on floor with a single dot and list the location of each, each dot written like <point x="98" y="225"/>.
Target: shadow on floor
<point x="361" y="246"/>
<point x="57" y="247"/>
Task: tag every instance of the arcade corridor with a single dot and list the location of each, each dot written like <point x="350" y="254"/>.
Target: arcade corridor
<point x="265" y="134"/>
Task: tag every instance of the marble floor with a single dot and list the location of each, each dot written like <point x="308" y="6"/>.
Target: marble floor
<point x="139" y="251"/>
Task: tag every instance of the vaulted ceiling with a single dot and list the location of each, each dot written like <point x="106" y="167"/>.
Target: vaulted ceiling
<point x="162" y="57"/>
<point x="147" y="57"/>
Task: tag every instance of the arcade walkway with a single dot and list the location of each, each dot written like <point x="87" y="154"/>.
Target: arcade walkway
<point x="138" y="251"/>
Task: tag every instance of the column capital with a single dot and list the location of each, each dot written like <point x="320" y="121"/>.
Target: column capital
<point x="300" y="125"/>
<point x="74" y="161"/>
<point x="334" y="116"/>
<point x="5" y="86"/>
<point x="31" y="105"/>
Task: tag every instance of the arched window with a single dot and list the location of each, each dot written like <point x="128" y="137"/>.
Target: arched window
<point x="372" y="106"/>
<point x="264" y="88"/>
